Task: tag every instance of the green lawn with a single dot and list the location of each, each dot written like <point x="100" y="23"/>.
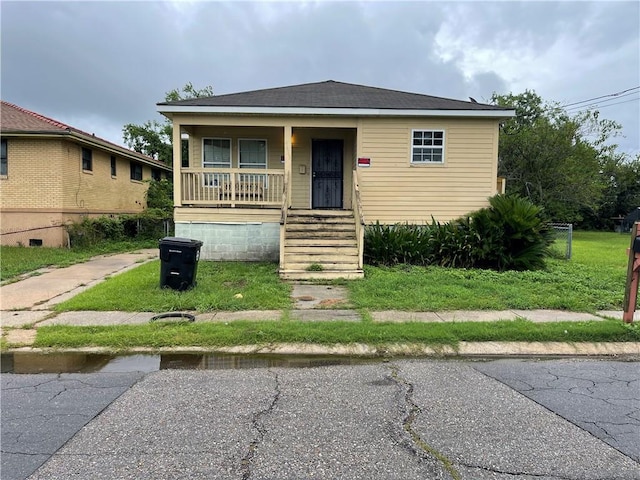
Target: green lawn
<point x="16" y="261"/>
<point x="592" y="280"/>
<point x="159" y="335"/>
<point x="219" y="285"/>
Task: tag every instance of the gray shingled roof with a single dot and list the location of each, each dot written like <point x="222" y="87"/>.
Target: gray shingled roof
<point x="332" y="94"/>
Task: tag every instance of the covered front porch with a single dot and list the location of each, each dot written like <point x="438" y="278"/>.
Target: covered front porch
<point x="237" y="182"/>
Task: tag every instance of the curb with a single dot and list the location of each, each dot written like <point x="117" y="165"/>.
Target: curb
<point x="464" y="349"/>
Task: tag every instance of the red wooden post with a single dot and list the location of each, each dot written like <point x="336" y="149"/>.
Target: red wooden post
<point x="633" y="275"/>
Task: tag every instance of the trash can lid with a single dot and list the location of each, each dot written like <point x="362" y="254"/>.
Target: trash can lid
<point x="179" y="241"/>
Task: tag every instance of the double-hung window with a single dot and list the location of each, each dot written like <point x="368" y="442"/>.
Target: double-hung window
<point x="87" y="159"/>
<point x="4" y="170"/>
<point x="216" y="154"/>
<point x="252" y="153"/>
<point x="427" y="146"/>
<point x="136" y="171"/>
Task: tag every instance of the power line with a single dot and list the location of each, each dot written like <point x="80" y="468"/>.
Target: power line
<point x="603" y="96"/>
<point x="603" y="101"/>
<point x="595" y="105"/>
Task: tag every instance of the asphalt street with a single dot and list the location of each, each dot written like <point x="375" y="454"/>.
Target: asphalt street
<point x="405" y="419"/>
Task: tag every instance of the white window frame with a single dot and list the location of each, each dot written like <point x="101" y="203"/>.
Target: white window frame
<point x="215" y="179"/>
<point x="427" y="146"/>
<point x="254" y="165"/>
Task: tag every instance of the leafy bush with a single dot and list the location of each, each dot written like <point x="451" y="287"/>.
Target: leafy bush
<point x="510" y="234"/>
<point x="160" y="195"/>
<point x="149" y="225"/>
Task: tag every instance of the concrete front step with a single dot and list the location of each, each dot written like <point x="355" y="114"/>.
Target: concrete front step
<point x="291" y="274"/>
<point x="319" y="242"/>
<point x="320" y="227"/>
<point x="322" y="249"/>
<point x="343" y="235"/>
<point x="300" y="219"/>
<point x="322" y="259"/>
<point x="320" y="213"/>
<point x="320" y="237"/>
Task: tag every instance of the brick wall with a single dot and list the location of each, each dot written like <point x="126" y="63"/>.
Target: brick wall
<point x="46" y="187"/>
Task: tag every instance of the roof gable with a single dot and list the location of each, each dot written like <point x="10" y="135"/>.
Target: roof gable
<point x="332" y="94"/>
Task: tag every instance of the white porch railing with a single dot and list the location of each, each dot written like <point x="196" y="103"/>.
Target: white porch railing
<point x="231" y="186"/>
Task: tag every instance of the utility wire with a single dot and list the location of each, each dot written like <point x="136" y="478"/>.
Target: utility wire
<point x="617" y="94"/>
<point x="596" y="105"/>
<point x="605" y="101"/>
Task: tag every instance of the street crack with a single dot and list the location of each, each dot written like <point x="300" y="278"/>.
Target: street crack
<point x="515" y="474"/>
<point x="258" y="425"/>
<point x="413" y="411"/>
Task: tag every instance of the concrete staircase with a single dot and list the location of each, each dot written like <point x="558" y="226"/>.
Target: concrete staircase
<point x="320" y="244"/>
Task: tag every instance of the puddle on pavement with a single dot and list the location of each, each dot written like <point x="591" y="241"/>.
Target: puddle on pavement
<point x="25" y="362"/>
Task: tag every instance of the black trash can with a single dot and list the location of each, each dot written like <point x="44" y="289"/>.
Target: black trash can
<point x="179" y="262"/>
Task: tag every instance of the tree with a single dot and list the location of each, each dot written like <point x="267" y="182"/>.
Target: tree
<point x="155" y="138"/>
<point x="555" y="159"/>
<point x="621" y="194"/>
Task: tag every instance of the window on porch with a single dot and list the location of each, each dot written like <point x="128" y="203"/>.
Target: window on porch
<point x="216" y="154"/>
<point x="252" y="153"/>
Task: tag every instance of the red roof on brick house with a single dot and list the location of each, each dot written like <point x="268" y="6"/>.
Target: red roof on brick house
<point x="20" y="121"/>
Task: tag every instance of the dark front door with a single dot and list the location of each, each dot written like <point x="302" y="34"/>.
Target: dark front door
<point x="326" y="173"/>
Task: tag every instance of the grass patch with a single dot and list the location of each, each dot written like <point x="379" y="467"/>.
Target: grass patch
<point x="218" y="283"/>
<point x="593" y="280"/>
<point x="20" y="260"/>
<point x="159" y="335"/>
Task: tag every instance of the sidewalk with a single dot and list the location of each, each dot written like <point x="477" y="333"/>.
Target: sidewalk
<point x="28" y="303"/>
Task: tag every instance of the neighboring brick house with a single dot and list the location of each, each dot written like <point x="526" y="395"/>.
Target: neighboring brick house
<point x="51" y="174"/>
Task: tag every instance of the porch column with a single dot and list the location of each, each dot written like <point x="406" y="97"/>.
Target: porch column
<point x="288" y="160"/>
<point x="177" y="164"/>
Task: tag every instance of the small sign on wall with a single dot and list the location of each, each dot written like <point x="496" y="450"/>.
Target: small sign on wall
<point x="364" y="162"/>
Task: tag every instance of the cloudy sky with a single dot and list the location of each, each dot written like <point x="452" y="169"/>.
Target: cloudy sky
<point x="100" y="65"/>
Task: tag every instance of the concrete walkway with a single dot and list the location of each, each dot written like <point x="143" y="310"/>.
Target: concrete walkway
<point x="26" y="304"/>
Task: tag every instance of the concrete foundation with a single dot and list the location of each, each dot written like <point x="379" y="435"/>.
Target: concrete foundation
<point x="234" y="241"/>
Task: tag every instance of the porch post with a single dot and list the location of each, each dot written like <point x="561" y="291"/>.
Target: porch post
<point x="287" y="160"/>
<point x="177" y="164"/>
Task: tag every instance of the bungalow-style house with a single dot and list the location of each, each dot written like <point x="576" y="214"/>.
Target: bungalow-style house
<point x="294" y="173"/>
<point x="51" y="174"/>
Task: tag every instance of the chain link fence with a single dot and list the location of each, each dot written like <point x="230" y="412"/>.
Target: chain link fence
<point x="563" y="236"/>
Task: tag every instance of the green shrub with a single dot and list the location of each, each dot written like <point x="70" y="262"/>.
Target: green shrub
<point x="510" y="234"/>
<point x="151" y="224"/>
<point x="160" y="195"/>
<point x="90" y="231"/>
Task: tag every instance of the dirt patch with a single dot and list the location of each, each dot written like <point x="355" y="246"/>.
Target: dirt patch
<point x="331" y="303"/>
<point x="20" y="337"/>
<point x="306" y="298"/>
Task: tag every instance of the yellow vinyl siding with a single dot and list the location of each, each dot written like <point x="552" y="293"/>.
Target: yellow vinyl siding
<point x="226" y="215"/>
<point x="301" y="153"/>
<point x="394" y="190"/>
<point x="273" y="136"/>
